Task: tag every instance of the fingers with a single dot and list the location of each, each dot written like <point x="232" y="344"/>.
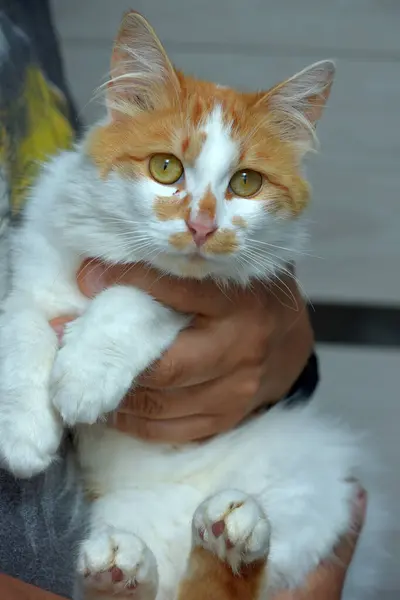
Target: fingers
<point x="184" y="295"/>
<point x="346" y="547"/>
<point x="58" y="325"/>
<point x="197" y="355"/>
<point x="228" y="396"/>
<point x="176" y="431"/>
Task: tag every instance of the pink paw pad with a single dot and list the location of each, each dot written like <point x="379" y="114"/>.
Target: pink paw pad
<point x="118" y="564"/>
<point x="233" y="526"/>
<point x="113" y="579"/>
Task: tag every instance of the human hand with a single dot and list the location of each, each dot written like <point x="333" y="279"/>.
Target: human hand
<point x="245" y="348"/>
<point x="327" y="581"/>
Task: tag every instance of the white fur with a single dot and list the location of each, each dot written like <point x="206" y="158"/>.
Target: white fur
<point x="292" y="464"/>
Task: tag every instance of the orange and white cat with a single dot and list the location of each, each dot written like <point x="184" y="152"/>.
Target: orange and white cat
<point x="197" y="180"/>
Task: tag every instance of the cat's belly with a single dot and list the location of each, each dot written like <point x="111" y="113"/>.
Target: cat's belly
<point x="295" y="463"/>
<point x="114" y="462"/>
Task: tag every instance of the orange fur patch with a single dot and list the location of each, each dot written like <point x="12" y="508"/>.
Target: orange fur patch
<point x="175" y="129"/>
<point x="168" y="208"/>
<point x="239" y="222"/>
<point x="208" y="578"/>
<point x="181" y="240"/>
<point x="192" y="149"/>
<point x="208" y="204"/>
<point x="223" y="241"/>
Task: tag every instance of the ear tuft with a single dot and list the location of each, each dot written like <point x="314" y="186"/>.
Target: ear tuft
<point x="298" y="103"/>
<point x="142" y="76"/>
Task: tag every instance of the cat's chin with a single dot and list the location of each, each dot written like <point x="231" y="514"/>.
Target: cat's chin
<point x="194" y="266"/>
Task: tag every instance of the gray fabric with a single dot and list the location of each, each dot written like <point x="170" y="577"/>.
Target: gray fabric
<point x="41" y="526"/>
<point x="41" y="520"/>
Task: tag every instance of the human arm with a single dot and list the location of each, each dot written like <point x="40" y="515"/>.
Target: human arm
<point x="327" y="581"/>
<point x="14" y="589"/>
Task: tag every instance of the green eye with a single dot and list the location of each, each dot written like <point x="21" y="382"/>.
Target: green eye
<point x="165" y="168"/>
<point x="246" y="183"/>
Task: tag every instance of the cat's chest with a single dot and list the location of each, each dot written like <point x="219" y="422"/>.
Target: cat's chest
<point x="115" y="461"/>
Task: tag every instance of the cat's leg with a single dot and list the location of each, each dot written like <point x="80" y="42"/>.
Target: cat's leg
<point x="114" y="562"/>
<point x="30" y="430"/>
<point x="42" y="287"/>
<point x="123" y="331"/>
<point x="232" y="526"/>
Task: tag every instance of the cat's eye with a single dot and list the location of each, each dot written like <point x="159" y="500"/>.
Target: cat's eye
<point x="246" y="183"/>
<point x="165" y="168"/>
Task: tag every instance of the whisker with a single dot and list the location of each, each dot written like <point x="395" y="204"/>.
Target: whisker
<point x="272" y="267"/>
<point x="276" y="247"/>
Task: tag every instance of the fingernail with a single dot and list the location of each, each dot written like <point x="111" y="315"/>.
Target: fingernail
<point x="59" y="331"/>
<point x="94" y="280"/>
<point x="361" y="495"/>
<point x="360" y="507"/>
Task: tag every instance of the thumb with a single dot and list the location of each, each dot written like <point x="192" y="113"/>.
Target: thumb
<point x="346" y="548"/>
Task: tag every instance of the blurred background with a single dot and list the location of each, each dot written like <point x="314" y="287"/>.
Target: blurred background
<point x="353" y="277"/>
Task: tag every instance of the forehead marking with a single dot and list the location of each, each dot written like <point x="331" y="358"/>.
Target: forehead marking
<point x="192" y="145"/>
<point x="219" y="151"/>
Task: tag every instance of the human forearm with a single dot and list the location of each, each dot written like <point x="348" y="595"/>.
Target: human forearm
<point x="13" y="589"/>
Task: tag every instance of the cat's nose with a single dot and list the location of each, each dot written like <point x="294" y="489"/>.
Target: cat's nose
<point x="201" y="228"/>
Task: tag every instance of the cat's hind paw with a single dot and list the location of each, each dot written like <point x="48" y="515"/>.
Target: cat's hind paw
<point x="119" y="563"/>
<point x="232" y="525"/>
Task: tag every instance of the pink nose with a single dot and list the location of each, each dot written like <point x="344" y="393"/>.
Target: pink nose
<point x="201" y="229"/>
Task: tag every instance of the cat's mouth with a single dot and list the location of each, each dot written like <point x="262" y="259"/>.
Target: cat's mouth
<point x="197" y="257"/>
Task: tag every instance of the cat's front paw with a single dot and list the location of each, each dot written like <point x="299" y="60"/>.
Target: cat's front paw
<point x="232" y="525"/>
<point x="88" y="381"/>
<point x="29" y="441"/>
<point x="118" y="563"/>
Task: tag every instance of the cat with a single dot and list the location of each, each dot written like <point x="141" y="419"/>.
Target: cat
<point x="197" y="180"/>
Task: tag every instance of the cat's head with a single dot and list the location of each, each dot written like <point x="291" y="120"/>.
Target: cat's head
<point x="206" y="179"/>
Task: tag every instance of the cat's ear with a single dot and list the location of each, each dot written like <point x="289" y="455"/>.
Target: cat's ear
<point x="142" y="76"/>
<point x="298" y="103"/>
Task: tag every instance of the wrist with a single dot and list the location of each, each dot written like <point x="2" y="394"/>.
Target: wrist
<point x="291" y="365"/>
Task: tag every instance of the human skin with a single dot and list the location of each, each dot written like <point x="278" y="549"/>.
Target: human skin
<point x="245" y="348"/>
<point x="327" y="581"/>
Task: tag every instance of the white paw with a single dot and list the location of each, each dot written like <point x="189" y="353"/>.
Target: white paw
<point x="119" y="563"/>
<point x="233" y="526"/>
<point x="88" y="380"/>
<point x="29" y="442"/>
